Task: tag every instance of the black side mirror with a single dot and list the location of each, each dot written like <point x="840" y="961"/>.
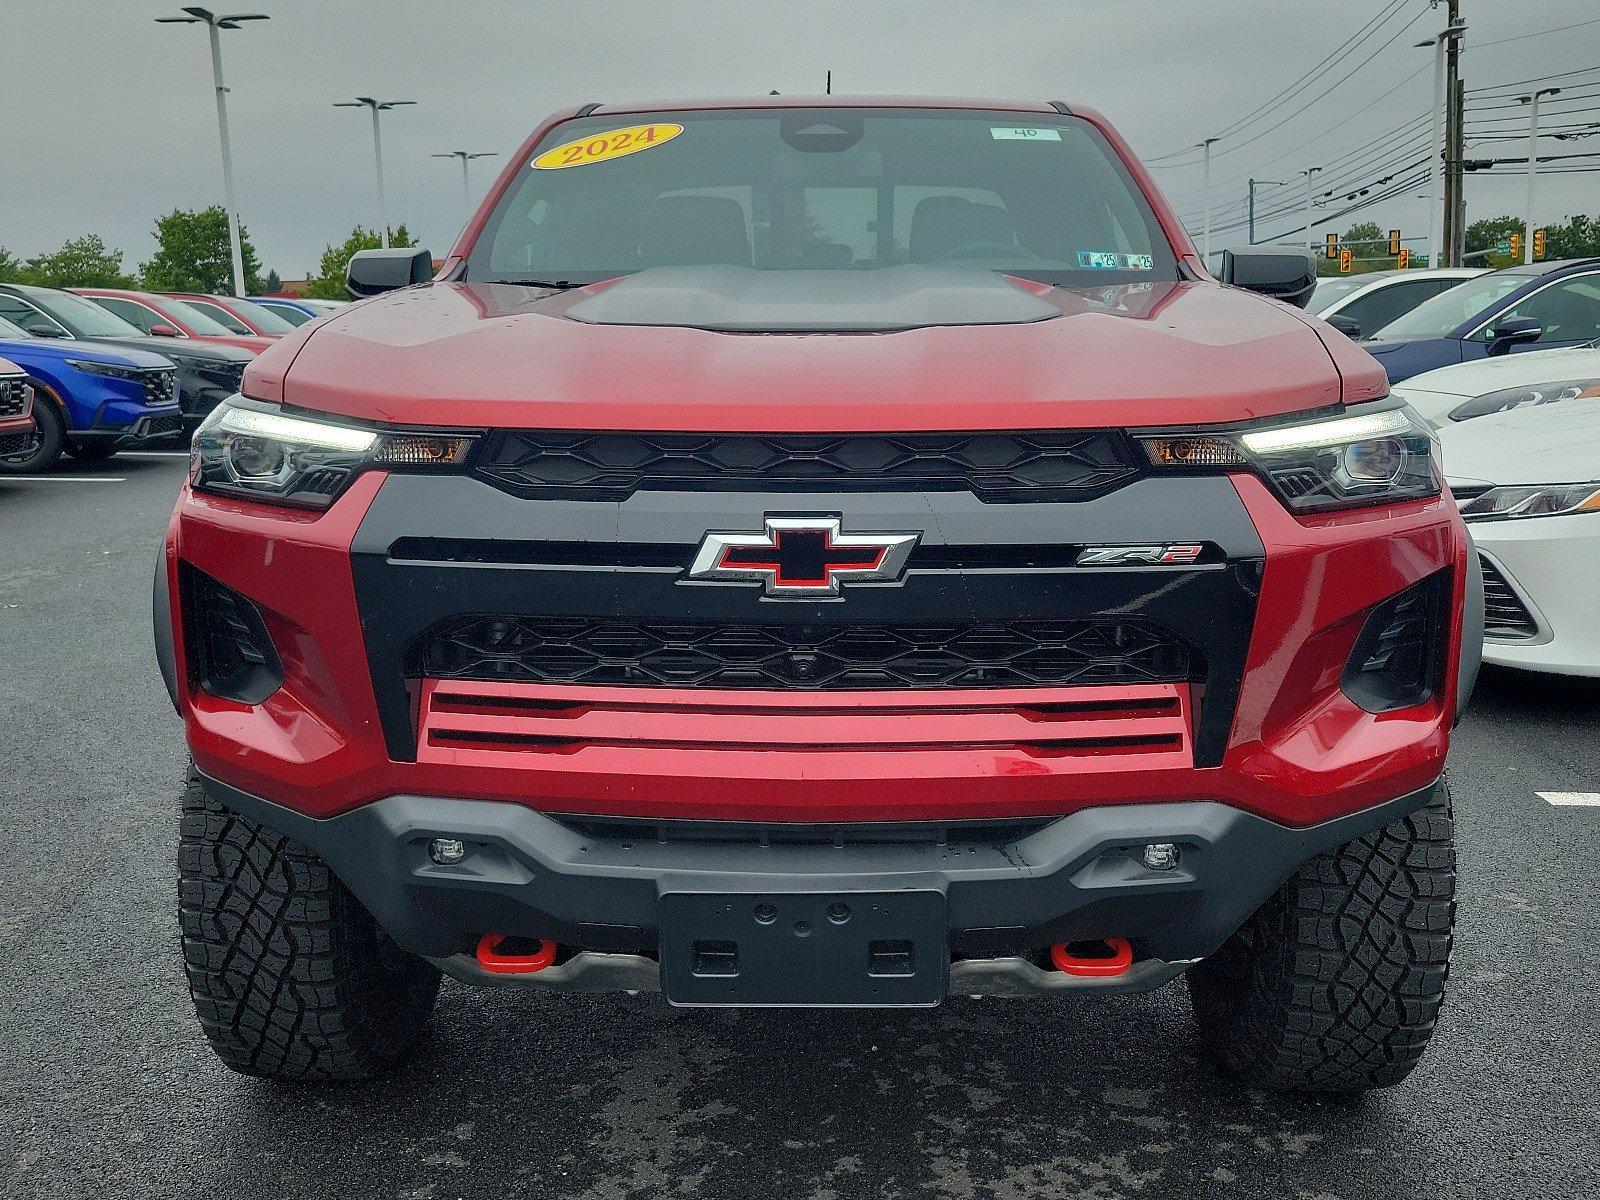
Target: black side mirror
<point x="1514" y="331"/>
<point x="1285" y="273"/>
<point x="373" y="271"/>
<point x="47" y="331"/>
<point x="1348" y="326"/>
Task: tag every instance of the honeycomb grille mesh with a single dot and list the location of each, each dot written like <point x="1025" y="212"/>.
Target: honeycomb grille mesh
<point x="778" y="656"/>
<point x="995" y="466"/>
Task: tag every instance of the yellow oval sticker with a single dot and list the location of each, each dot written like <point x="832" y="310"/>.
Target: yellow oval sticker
<point x="601" y="146"/>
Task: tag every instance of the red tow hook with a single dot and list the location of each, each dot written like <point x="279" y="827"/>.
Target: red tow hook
<point x="496" y="963"/>
<point x="1110" y="956"/>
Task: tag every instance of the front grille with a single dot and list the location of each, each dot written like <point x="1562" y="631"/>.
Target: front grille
<point x="1505" y="615"/>
<point x="15" y="445"/>
<point x="160" y="385"/>
<point x="226" y="374"/>
<point x="1047" y="465"/>
<point x="13" y="396"/>
<point x="782" y="656"/>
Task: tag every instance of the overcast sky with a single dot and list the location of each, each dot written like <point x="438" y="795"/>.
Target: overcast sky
<point x="109" y="118"/>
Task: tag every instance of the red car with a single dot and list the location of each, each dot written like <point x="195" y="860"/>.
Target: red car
<point x="18" y="431"/>
<point x="162" y="316"/>
<point x="245" y="318"/>
<point x="830" y="552"/>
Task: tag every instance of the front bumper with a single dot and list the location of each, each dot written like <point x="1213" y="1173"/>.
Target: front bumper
<point x="1551" y="568"/>
<point x="149" y="424"/>
<point x="1010" y="889"/>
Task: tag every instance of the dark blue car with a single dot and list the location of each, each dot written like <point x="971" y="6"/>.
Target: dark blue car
<point x="1540" y="307"/>
<point x="90" y="399"/>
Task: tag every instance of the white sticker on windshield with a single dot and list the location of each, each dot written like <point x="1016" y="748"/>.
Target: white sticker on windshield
<point x="1108" y="260"/>
<point x="1023" y="133"/>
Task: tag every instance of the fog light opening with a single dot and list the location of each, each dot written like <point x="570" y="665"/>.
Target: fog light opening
<point x="447" y="851"/>
<point x="1161" y="856"/>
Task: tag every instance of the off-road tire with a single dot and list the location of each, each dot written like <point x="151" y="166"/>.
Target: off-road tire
<point x="290" y="976"/>
<point x="1335" y="984"/>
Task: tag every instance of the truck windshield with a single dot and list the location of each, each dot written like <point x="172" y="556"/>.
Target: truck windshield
<point x="823" y="189"/>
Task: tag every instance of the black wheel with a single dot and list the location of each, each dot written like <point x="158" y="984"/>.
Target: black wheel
<point x="290" y="976"/>
<point x="91" y="452"/>
<point x="1335" y="984"/>
<point x="47" y="448"/>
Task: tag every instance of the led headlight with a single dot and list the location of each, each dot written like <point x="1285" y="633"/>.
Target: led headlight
<point x="1374" y="457"/>
<point x="1539" y="393"/>
<point x="108" y="369"/>
<point x="1547" y="500"/>
<point x="247" y="448"/>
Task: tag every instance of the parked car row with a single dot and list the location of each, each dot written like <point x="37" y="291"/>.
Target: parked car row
<point x="108" y="368"/>
<point x="1416" y="321"/>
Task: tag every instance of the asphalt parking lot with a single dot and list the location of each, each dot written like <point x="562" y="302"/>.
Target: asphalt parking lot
<point x="109" y="1090"/>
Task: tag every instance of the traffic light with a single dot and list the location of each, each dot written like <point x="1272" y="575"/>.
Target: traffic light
<point x="1516" y="247"/>
<point x="1394" y="243"/>
<point x="1333" y="246"/>
<point x="1347" y="258"/>
<point x="1403" y="259"/>
<point x="1538" y="243"/>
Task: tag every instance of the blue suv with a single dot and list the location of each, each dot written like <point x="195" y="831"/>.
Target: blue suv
<point x="1544" y="306"/>
<point x="90" y="399"/>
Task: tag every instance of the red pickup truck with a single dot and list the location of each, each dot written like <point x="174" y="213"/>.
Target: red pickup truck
<point x="805" y="551"/>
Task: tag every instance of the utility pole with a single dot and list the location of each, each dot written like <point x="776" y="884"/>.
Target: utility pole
<point x="377" y="106"/>
<point x="1255" y="183"/>
<point x="465" y="156"/>
<point x="1455" y="140"/>
<point x="1439" y="150"/>
<point x="1533" y="161"/>
<point x="1205" y="241"/>
<point x="1308" y="173"/>
<point x="215" y="23"/>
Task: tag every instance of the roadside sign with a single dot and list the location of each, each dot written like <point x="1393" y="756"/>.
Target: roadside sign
<point x="1503" y="246"/>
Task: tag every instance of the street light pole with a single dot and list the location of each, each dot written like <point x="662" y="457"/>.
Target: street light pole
<point x="1438" y="152"/>
<point x="1255" y="183"/>
<point x="215" y="25"/>
<point x="377" y="106"/>
<point x="1206" y="239"/>
<point x="1533" y="162"/>
<point x="1308" y="173"/>
<point x="465" y="156"/>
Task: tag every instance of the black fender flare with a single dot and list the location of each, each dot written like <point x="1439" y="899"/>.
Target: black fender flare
<point x="161" y="620"/>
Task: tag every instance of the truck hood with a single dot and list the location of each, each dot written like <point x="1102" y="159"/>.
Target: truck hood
<point x="513" y="356"/>
<point x="1541" y="443"/>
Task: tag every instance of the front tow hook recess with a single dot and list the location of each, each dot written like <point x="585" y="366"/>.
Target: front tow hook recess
<point x="492" y="957"/>
<point x="1097" y="959"/>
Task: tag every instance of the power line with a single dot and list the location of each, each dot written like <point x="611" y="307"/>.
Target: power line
<point x="1385" y="14"/>
<point x="1522" y="37"/>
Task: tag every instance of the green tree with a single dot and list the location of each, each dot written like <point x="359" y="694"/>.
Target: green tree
<point x="81" y="262"/>
<point x="1368" y="239"/>
<point x="1578" y="238"/>
<point x="328" y="282"/>
<point x="274" y="283"/>
<point x="10" y="267"/>
<point x="1487" y="234"/>
<point x="193" y="254"/>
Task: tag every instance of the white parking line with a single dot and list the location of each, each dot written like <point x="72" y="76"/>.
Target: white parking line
<point x="5" y="479"/>
<point x="1584" y="799"/>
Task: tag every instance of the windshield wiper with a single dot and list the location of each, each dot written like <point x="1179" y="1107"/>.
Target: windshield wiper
<point x="557" y="285"/>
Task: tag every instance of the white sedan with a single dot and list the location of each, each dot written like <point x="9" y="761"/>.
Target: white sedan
<point x="1474" y="389"/>
<point x="1366" y="303"/>
<point x="1528" y="482"/>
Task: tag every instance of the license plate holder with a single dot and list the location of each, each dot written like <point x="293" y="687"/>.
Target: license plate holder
<point x="805" y="949"/>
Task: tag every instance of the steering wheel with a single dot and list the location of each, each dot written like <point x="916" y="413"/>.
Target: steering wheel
<point x="986" y="248"/>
